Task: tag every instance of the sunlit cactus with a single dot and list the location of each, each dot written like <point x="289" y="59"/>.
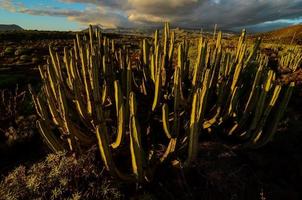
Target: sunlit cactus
<point x="97" y="94"/>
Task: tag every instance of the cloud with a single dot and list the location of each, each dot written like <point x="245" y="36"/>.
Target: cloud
<point x="199" y="13"/>
<point x="7" y="5"/>
<point x="99" y="15"/>
<point x="185" y="13"/>
<point x="50" y="12"/>
<point x="92" y="14"/>
<point x="271" y="25"/>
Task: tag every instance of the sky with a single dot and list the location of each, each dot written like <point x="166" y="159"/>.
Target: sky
<point x="255" y="15"/>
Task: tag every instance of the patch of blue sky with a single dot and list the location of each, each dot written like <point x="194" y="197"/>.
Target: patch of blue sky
<point x="33" y="22"/>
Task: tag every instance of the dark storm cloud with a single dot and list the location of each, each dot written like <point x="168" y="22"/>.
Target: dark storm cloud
<point x="187" y="13"/>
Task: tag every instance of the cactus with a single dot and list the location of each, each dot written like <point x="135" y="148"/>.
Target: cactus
<point x="135" y="140"/>
<point x="194" y="120"/>
<point x="165" y="119"/>
<point x="97" y="94"/>
<point x="120" y="112"/>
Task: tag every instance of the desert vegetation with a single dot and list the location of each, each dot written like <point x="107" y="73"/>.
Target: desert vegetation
<point x="127" y="116"/>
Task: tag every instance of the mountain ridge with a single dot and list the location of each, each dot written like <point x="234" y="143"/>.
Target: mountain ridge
<point x="289" y="35"/>
<point x="10" y="27"/>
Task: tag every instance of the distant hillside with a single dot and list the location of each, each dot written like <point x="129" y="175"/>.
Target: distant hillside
<point x="95" y="27"/>
<point x="10" y="27"/>
<point x="291" y="34"/>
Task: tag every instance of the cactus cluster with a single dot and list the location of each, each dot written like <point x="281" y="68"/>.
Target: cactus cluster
<point x="291" y="59"/>
<point x="152" y="109"/>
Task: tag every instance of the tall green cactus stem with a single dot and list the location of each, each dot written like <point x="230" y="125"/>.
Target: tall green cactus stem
<point x="271" y="126"/>
<point x="176" y="91"/>
<point x="157" y="92"/>
<point x="106" y="154"/>
<point x="145" y="52"/>
<point x="156" y="38"/>
<point x="197" y="66"/>
<point x="120" y="113"/>
<point x="166" y="38"/>
<point x="257" y="133"/>
<point x="250" y="104"/>
<point x="165" y="119"/>
<point x="152" y="68"/>
<point x="171" y="47"/>
<point x="262" y="98"/>
<point x="194" y="128"/>
<point x="135" y="141"/>
<point x="51" y="140"/>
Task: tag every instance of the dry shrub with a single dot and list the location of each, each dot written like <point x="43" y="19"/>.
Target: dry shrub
<point x="60" y="176"/>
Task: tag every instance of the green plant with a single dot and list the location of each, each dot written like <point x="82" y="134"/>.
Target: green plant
<point x="22" y="51"/>
<point x="36" y="60"/>
<point x="97" y="93"/>
<point x="15" y="123"/>
<point x="25" y="58"/>
<point x="291" y="59"/>
<point x="9" y="51"/>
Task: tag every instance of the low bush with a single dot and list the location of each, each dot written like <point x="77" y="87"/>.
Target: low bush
<point x="60" y="176"/>
<point x="16" y="119"/>
<point x="25" y="58"/>
<point x="22" y="51"/>
<point x="9" y="51"/>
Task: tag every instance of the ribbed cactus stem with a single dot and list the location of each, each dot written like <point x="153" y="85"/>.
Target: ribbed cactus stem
<point x="40" y="107"/>
<point x="166" y="38"/>
<point x="254" y="88"/>
<point x="240" y="43"/>
<point x="156" y="38"/>
<point x="145" y="52"/>
<point x="157" y="92"/>
<point x="218" y="41"/>
<point x="120" y="113"/>
<point x="91" y="39"/>
<point x="135" y="141"/>
<point x="68" y="68"/>
<point x="55" y="64"/>
<point x="52" y="105"/>
<point x="197" y="66"/>
<point x="113" y="46"/>
<point x="54" y="143"/>
<point x="171" y="47"/>
<point x="194" y="130"/>
<point x="170" y="149"/>
<point x="106" y="154"/>
<point x="203" y="95"/>
<point x="258" y="132"/>
<point x="272" y="125"/>
<point x="165" y="119"/>
<point x="262" y="98"/>
<point x="152" y="68"/>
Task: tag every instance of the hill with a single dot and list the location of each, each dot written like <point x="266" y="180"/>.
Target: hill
<point x="10" y="27"/>
<point x="291" y="34"/>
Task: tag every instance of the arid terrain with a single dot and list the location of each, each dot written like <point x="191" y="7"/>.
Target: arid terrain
<point x="221" y="170"/>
